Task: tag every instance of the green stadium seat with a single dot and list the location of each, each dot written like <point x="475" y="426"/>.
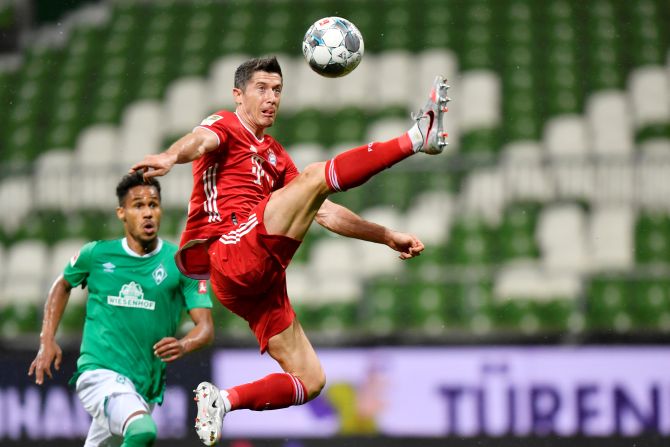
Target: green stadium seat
<point x="337" y="318"/>
<point x="63" y="127"/>
<point x="439" y="27"/>
<point x="476" y="296"/>
<point x="7" y="79"/>
<point x="606" y="304"/>
<point x="647" y="42"/>
<point x="428" y="309"/>
<point x="652" y="239"/>
<point x="108" y="104"/>
<point x="19" y="318"/>
<point x="481" y="143"/>
<point x="559" y="10"/>
<point x="519" y="20"/>
<point x="650" y="307"/>
<point x="604" y="70"/>
<point x="470" y="243"/>
<point x="521" y="120"/>
<point x="513" y="315"/>
<point x="349" y="124"/>
<point x="22" y="143"/>
<point x="478" y="49"/>
<point x="516" y="234"/>
<point x="396" y="17"/>
<point x="554" y="315"/>
<point x="154" y="81"/>
<point x="392" y="187"/>
<point x="385" y="306"/>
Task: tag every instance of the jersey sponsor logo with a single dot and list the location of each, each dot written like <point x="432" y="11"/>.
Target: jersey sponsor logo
<point x="73" y="259"/>
<point x="131" y="295"/>
<point x="202" y="286"/>
<point x="159" y="274"/>
<point x="211" y="119"/>
<point x="257" y="168"/>
<point x="108" y="267"/>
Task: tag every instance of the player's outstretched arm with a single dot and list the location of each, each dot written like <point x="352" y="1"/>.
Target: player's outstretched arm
<point x="169" y="349"/>
<point x="190" y="147"/>
<point x="345" y="222"/>
<point x="49" y="351"/>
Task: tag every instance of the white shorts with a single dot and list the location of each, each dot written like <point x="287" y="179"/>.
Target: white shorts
<point x="110" y="398"/>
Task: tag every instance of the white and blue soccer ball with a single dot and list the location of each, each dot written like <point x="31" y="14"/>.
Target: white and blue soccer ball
<point x="333" y="47"/>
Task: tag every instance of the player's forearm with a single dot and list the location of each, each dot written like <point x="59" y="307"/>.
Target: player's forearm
<point x="202" y="334"/>
<point x="345" y="222"/>
<point x="54" y="309"/>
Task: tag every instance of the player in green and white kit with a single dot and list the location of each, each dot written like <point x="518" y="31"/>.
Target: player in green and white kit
<point x="136" y="296"/>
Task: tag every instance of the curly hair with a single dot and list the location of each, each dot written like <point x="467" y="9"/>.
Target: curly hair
<point x="130" y="181"/>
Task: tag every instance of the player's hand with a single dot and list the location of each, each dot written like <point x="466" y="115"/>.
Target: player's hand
<point x="169" y="349"/>
<point x="155" y="165"/>
<point x="408" y="245"/>
<point x="48" y="353"/>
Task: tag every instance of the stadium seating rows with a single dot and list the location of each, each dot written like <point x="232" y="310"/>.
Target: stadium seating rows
<point x="552" y="216"/>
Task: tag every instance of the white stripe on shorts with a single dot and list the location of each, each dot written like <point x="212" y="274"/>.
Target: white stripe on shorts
<point x="234" y="236"/>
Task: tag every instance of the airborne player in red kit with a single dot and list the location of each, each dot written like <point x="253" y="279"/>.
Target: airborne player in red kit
<point x="250" y="208"/>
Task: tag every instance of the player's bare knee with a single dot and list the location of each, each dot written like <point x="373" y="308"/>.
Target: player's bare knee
<point x="314" y="386"/>
<point x="315" y="175"/>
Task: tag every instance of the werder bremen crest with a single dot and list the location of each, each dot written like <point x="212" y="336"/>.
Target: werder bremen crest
<point x="131" y="295"/>
<point x="159" y="274"/>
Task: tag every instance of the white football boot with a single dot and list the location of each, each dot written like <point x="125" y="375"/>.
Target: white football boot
<point x="212" y="407"/>
<point x="429" y="120"/>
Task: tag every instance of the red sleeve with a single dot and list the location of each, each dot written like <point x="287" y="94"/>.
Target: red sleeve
<point x="291" y="171"/>
<point x="215" y="123"/>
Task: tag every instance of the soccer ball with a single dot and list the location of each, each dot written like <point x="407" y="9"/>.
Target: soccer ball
<point x="333" y="47"/>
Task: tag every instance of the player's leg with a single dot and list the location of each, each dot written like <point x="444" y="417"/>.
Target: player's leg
<point x="293" y="351"/>
<point x="92" y="389"/>
<point x="272" y="319"/>
<point x="291" y="210"/>
<point x="128" y="416"/>
<point x="114" y="405"/>
<point x="99" y="435"/>
<point x="302" y="380"/>
<point x="140" y="431"/>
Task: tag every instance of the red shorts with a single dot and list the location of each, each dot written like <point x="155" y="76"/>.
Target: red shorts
<point x="248" y="275"/>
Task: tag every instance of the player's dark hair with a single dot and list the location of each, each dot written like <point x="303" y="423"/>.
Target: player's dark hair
<point x="247" y="69"/>
<point x="130" y="181"/>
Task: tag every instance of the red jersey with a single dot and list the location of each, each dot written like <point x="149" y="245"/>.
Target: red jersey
<point x="229" y="181"/>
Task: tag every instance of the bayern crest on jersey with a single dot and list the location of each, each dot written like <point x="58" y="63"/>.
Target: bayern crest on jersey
<point x="272" y="158"/>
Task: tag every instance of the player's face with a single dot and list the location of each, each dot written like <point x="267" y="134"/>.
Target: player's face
<point x="141" y="215"/>
<point x="258" y="103"/>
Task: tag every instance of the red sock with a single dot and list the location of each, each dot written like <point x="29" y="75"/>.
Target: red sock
<point x="356" y="166"/>
<point x="279" y="390"/>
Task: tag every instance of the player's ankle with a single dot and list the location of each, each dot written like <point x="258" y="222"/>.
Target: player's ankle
<point x="416" y="137"/>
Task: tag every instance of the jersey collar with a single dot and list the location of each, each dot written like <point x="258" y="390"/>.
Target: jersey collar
<point x="249" y="130"/>
<point x="127" y="249"/>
